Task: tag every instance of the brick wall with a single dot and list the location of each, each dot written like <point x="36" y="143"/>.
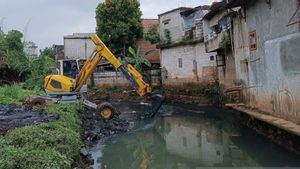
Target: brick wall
<point x="146" y="45"/>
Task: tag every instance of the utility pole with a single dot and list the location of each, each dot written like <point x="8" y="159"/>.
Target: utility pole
<point x="25" y="31"/>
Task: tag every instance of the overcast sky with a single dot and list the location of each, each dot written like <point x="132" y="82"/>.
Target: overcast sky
<point x="45" y="22"/>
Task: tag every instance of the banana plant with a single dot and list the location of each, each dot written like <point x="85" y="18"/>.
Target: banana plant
<point x="137" y="59"/>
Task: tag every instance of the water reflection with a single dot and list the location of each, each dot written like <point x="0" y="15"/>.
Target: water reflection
<point x="202" y="141"/>
<point x="186" y="142"/>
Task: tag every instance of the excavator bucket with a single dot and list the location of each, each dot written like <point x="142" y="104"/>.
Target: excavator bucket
<point x="156" y="101"/>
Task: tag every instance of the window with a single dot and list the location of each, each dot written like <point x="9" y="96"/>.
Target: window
<point x="55" y="84"/>
<point x="252" y="41"/>
<point x="220" y="59"/>
<point x="180" y="62"/>
<point x="212" y="58"/>
<point x="165" y="22"/>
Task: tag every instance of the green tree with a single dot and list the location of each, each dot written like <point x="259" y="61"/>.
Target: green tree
<point x="34" y="69"/>
<point x="2" y="47"/>
<point x="48" y="51"/>
<point x="14" y="40"/>
<point x="39" y="69"/>
<point x="14" y="51"/>
<point x="152" y="35"/>
<point x="119" y="24"/>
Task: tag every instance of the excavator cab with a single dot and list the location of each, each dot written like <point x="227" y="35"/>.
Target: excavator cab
<point x="68" y="70"/>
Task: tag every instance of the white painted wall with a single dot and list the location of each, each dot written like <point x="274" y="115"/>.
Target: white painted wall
<point x="273" y="76"/>
<point x="188" y="53"/>
<point x="78" y="48"/>
<point x="175" y="25"/>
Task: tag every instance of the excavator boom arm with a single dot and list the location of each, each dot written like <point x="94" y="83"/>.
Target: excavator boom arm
<point x="101" y="51"/>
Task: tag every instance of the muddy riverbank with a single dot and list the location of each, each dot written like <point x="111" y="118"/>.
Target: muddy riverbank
<point x="13" y="116"/>
<point x="126" y="94"/>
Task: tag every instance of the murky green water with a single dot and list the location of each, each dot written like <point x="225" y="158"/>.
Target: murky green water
<point x="190" y="138"/>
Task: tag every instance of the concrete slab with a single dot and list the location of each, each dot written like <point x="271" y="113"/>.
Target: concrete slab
<point x="286" y="125"/>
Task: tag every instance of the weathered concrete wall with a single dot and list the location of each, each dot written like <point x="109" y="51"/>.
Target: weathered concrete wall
<point x="174" y="22"/>
<point x="78" y="48"/>
<point x="281" y="87"/>
<point x="196" y="64"/>
<point x="227" y="73"/>
<point x="241" y="49"/>
<point x="273" y="68"/>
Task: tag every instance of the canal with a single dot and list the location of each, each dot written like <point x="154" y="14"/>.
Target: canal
<point x="189" y="137"/>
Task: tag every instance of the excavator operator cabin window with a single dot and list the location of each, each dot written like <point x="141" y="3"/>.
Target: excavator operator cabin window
<point x="55" y="84"/>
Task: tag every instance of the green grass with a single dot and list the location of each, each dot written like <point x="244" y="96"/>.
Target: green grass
<point x="14" y="94"/>
<point x="51" y="145"/>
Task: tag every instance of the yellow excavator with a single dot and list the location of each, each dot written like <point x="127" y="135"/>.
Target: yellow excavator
<point x="64" y="89"/>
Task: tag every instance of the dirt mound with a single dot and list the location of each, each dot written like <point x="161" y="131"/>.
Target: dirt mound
<point x="13" y="116"/>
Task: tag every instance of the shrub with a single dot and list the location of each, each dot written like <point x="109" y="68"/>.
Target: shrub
<point x="13" y="94"/>
<point x="217" y="95"/>
<point x="51" y="145"/>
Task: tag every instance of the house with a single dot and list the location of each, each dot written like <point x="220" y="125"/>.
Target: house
<point x="78" y="46"/>
<point x="266" y="49"/>
<point x="182" y="51"/>
<point x="145" y="45"/>
<point x="217" y="30"/>
<point x="31" y="49"/>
